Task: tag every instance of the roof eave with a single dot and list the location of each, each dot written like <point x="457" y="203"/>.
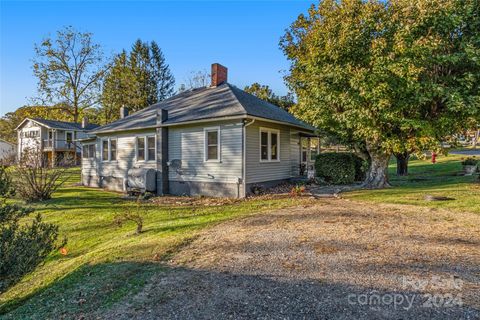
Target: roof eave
<point x="237" y="117"/>
<point x="312" y="129"/>
<point x="33" y="120"/>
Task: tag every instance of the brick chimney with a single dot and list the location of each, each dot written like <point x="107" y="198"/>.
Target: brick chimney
<point x="123" y="112"/>
<point x="84" y="122"/>
<point x="219" y="74"/>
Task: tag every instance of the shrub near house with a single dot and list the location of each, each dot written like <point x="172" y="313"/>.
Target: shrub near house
<point x="340" y="168"/>
<point x="24" y="245"/>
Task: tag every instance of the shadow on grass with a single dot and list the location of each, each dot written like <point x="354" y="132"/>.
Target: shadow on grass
<point x="83" y="291"/>
<point x="109" y="291"/>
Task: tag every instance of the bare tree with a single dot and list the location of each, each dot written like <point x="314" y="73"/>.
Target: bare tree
<point x="34" y="180"/>
<point x="196" y="79"/>
<point x="69" y="71"/>
<point x="134" y="214"/>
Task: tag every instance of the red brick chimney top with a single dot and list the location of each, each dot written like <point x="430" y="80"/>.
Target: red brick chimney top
<point x="219" y="74"/>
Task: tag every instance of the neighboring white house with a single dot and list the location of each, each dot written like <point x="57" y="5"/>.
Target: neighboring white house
<point x="56" y="139"/>
<point x="7" y="150"/>
<point x="216" y="141"/>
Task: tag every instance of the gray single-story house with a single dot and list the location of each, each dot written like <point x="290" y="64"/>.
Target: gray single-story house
<point x="214" y="141"/>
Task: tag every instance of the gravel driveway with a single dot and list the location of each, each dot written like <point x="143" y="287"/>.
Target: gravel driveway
<point x="337" y="259"/>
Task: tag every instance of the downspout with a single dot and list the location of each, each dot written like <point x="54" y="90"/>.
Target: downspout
<point x="244" y="155"/>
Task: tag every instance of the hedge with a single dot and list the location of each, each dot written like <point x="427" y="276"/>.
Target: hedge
<point x="340" y="168"/>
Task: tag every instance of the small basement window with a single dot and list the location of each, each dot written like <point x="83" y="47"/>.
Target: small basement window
<point x="269" y="145"/>
<point x="212" y="144"/>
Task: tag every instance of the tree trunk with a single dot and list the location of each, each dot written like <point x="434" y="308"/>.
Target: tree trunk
<point x="475" y="139"/>
<point x="377" y="175"/>
<point x="402" y="163"/>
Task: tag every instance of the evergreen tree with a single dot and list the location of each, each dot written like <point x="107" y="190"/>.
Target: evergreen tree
<point x="136" y="80"/>
<point x="162" y="77"/>
<point x="117" y="88"/>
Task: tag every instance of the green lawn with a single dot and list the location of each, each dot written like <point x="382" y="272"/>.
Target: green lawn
<point x="106" y="263"/>
<point x="439" y="179"/>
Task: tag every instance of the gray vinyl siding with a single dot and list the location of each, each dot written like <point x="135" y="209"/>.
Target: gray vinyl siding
<point x="126" y="155"/>
<point x="184" y="142"/>
<point x="187" y="143"/>
<point x="258" y="171"/>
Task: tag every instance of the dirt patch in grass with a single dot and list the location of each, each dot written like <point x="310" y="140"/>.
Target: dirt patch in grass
<point x="192" y="201"/>
<point x="185" y="201"/>
<point x="332" y="260"/>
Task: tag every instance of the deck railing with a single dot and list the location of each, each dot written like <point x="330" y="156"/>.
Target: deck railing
<point x="58" y="144"/>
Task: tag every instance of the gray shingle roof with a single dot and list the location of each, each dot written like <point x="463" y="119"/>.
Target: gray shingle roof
<point x="205" y="103"/>
<point x="63" y="125"/>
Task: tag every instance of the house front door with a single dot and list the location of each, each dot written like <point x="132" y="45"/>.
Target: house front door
<point x="309" y="149"/>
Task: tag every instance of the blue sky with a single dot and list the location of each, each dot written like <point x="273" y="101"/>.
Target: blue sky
<point x="241" y="35"/>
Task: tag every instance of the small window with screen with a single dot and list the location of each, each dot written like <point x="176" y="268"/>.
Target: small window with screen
<point x="140" y="149"/>
<point x="212" y="144"/>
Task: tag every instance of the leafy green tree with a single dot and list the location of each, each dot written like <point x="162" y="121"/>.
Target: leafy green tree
<point x="136" y="80"/>
<point x="265" y="93"/>
<point x="69" y="71"/>
<point x="378" y="74"/>
<point x="23" y="245"/>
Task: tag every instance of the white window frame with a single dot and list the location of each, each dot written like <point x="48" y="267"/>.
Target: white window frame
<point x="109" y="149"/>
<point x="145" y="145"/>
<point x="269" y="132"/>
<point x="205" y="144"/>
<point x="89" y="156"/>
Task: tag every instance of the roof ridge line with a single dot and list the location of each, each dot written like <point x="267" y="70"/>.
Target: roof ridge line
<point x="231" y="87"/>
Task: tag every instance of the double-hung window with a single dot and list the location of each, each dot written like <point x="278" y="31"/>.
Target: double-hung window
<point x="109" y="149"/>
<point x="269" y="145"/>
<point x="146" y="148"/>
<point x="113" y="149"/>
<point x="92" y="150"/>
<point x="105" y="150"/>
<point x="88" y="151"/>
<point x="212" y="144"/>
